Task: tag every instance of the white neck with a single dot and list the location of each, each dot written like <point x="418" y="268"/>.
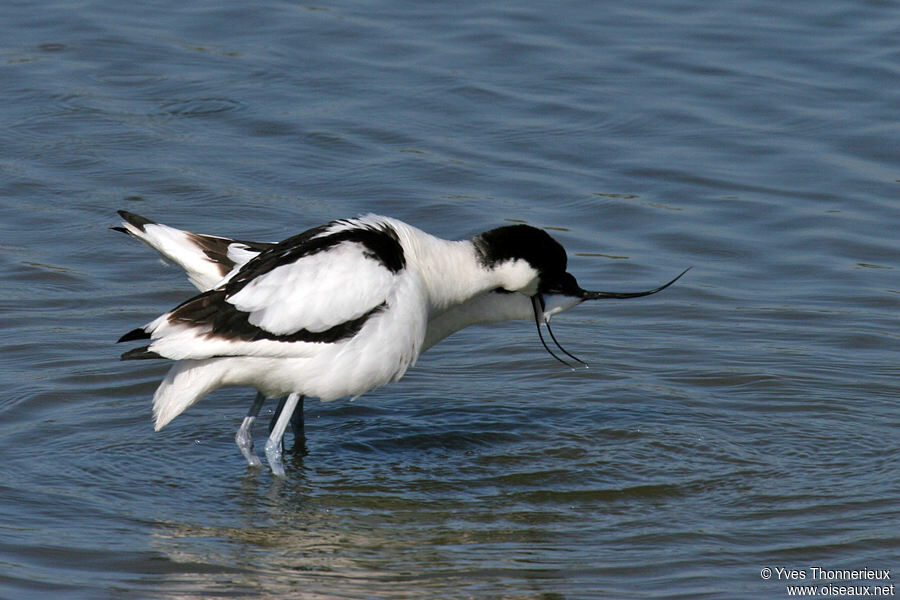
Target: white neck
<point x="489" y="307"/>
<point x="451" y="270"/>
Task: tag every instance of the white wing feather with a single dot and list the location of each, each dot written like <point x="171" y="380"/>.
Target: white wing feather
<point x="316" y="292"/>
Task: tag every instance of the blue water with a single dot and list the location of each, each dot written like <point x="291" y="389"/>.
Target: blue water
<point x="746" y="418"/>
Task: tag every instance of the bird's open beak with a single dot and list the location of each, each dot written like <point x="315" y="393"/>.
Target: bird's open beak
<point x="549" y="303"/>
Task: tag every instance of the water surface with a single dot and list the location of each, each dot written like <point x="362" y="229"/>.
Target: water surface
<point x="745" y="418"/>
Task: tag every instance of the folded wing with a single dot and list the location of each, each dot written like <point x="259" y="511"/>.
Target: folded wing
<point x="315" y="289"/>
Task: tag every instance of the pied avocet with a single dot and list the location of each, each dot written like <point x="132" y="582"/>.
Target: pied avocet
<point x="337" y="310"/>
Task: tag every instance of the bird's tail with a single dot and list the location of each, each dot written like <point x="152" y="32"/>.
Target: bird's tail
<point x="186" y="382"/>
<point x="205" y="258"/>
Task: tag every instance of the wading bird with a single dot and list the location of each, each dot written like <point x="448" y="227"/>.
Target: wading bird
<point x="337" y="310"/>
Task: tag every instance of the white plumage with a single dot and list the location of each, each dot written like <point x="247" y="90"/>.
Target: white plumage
<point x="316" y="292"/>
<point x="337" y="310"/>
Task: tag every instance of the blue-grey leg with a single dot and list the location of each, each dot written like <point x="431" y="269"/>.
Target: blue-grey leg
<point x="296" y="418"/>
<point x="244" y="436"/>
<point x="277" y="413"/>
<point x="274" y="449"/>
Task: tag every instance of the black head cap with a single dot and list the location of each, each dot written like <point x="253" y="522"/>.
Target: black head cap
<point x="513" y="242"/>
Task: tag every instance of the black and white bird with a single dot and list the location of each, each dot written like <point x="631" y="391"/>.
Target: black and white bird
<point x="337" y="310"/>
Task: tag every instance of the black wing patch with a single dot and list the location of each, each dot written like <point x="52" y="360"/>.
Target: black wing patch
<point x="381" y="244"/>
<point x="136" y="220"/>
<point x="140" y="353"/>
<point x="211" y="310"/>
